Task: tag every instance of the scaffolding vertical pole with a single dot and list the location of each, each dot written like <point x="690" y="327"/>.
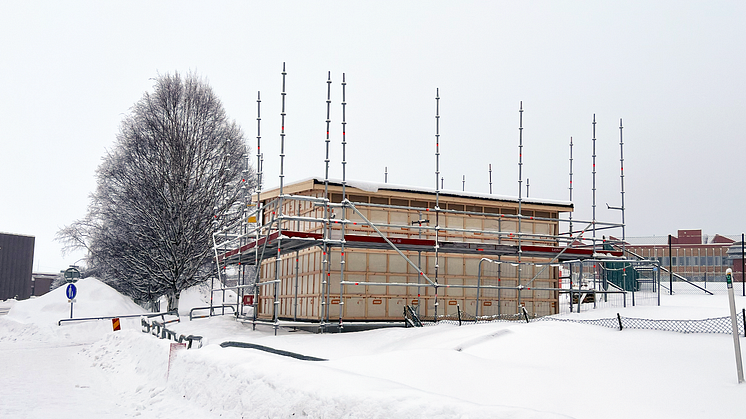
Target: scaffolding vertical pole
<point x="278" y="262"/>
<point x="344" y="206"/>
<point x="520" y="200"/>
<point x="419" y="259"/>
<point x="259" y="209"/>
<point x="479" y="283"/>
<point x="571" y="230"/>
<point x="437" y="195"/>
<point x="297" y="264"/>
<point x="624" y="236"/>
<point x="594" y="186"/>
<point x="244" y="230"/>
<point x="580" y="283"/>
<point x="490" y="170"/>
<point x="295" y="300"/>
<point x="325" y="275"/>
<point x="499" y="267"/>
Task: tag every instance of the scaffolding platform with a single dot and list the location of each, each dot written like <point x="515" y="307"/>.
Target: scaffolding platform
<point x="292" y="241"/>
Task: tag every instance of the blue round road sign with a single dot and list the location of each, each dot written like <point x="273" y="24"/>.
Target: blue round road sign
<point x="71" y="291"/>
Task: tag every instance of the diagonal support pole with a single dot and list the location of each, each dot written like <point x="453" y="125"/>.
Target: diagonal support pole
<point x="383" y="236"/>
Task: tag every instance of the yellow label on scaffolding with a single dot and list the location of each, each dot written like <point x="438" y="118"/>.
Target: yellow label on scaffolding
<point x="252" y="219"/>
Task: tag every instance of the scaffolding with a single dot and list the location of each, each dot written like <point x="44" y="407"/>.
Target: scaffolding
<point x="281" y="224"/>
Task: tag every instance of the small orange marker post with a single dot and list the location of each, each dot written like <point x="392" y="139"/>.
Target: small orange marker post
<point x="115" y="324"/>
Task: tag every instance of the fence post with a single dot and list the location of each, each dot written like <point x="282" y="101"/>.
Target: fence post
<point x="619" y="317"/>
<point x="743" y="318"/>
<point x="670" y="267"/>
<point x="458" y="308"/>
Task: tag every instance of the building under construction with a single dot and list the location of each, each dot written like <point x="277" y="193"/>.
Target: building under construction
<point x="334" y="251"/>
<point x="368" y="251"/>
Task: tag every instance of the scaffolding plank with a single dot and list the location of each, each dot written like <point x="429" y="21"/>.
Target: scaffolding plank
<point x="292" y="241"/>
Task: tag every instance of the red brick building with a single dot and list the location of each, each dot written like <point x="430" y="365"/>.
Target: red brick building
<point x="693" y="255"/>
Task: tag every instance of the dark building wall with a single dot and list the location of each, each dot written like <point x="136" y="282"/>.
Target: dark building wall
<point x="42" y="283"/>
<point x="16" y="264"/>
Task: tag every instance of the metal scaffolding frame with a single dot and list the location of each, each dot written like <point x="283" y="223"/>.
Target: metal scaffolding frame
<point x="277" y="241"/>
<point x="274" y="234"/>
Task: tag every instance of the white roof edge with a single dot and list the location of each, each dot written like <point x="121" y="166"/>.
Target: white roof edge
<point x="17" y="234"/>
<point x="375" y="187"/>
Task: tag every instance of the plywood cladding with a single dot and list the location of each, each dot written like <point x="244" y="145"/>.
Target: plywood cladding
<point x="374" y="276"/>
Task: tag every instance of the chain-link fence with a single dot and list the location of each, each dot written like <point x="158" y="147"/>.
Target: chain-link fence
<point x="687" y="282"/>
<point x="712" y="325"/>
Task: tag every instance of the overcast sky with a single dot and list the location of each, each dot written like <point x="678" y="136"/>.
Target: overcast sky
<point x="673" y="71"/>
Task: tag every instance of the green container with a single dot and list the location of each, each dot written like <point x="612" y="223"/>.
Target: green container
<point x="615" y="273"/>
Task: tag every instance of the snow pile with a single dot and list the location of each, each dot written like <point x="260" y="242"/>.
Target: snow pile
<point x="37" y="319"/>
<point x="498" y="370"/>
<point x="94" y="299"/>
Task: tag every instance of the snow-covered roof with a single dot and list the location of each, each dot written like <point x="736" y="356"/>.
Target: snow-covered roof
<point x="374" y="187"/>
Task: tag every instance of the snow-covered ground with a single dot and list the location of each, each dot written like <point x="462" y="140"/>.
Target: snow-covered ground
<point x="500" y="370"/>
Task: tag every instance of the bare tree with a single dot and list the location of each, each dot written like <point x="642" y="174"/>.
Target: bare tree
<point x="174" y="177"/>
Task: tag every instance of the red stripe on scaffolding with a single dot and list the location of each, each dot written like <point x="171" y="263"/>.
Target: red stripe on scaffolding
<point x="298" y="240"/>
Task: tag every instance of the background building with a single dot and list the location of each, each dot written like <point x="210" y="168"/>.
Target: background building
<point x="694" y="256"/>
<point x="42" y="283"/>
<point x="16" y="264"/>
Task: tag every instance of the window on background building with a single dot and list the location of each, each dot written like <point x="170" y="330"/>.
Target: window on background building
<point x="718" y="262"/>
<point x="709" y="261"/>
<point x="665" y="261"/>
<point x="673" y="261"/>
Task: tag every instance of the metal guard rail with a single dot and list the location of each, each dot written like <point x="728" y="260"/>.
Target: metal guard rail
<point x="166" y="313"/>
<point x="211" y="308"/>
<point x="158" y="329"/>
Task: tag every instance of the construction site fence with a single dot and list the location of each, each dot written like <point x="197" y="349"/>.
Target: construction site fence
<point x="712" y="325"/>
<point x="671" y="284"/>
<point x="720" y="325"/>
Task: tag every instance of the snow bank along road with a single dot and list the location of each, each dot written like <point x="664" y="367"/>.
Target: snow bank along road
<point x="498" y="370"/>
<point x="62" y="375"/>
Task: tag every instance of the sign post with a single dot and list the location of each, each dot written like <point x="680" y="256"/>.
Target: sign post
<point x="734" y="324"/>
<point x="72" y="274"/>
<point x="71" y="291"/>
